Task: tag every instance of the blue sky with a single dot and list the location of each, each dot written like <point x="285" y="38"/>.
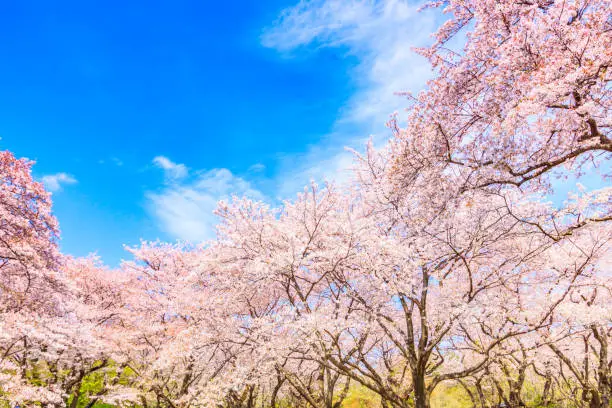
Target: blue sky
<point x="141" y="115"/>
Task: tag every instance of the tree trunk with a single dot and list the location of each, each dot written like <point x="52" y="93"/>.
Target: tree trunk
<point x="514" y="398"/>
<point x="481" y="395"/>
<point x="76" y="396"/>
<point x="595" y="401"/>
<point x="547" y="393"/>
<point x="603" y="369"/>
<point x="421" y="397"/>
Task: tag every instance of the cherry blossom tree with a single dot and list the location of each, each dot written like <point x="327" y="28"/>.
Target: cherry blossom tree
<point x="28" y="238"/>
<point x="526" y="101"/>
<point x="180" y="333"/>
<point x="31" y="286"/>
<point x="284" y="262"/>
<point x="580" y="340"/>
<point x="95" y="322"/>
<point x="54" y="311"/>
<point x="528" y="93"/>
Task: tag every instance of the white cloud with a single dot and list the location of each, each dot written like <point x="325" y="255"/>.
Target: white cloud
<point x="54" y="182"/>
<point x="380" y="34"/>
<point x="114" y="160"/>
<point x="257" y="168"/>
<point x="321" y="163"/>
<point x="184" y="208"/>
<point x="172" y="170"/>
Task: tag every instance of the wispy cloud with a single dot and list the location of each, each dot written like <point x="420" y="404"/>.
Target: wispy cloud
<point x="55" y="182"/>
<point x="172" y="170"/>
<point x="257" y="168"/>
<point x="380" y="34"/>
<point x="114" y="160"/>
<point x="184" y="206"/>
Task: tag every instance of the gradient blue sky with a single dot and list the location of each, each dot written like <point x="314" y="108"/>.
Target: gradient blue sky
<point x="141" y="115"/>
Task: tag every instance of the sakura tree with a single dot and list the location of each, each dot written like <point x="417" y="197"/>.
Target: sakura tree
<point x="580" y="339"/>
<point x="526" y="101"/>
<point x="283" y="263"/>
<point x="180" y="325"/>
<point x="528" y="93"/>
<point x="93" y="323"/>
<point x="55" y="311"/>
<point x="28" y="239"/>
<point x="31" y="285"/>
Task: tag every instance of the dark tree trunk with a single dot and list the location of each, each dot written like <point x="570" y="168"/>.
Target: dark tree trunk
<point x="547" y="393"/>
<point x="421" y="397"/>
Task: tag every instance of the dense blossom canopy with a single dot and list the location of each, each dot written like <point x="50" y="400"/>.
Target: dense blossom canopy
<point x="449" y="262"/>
